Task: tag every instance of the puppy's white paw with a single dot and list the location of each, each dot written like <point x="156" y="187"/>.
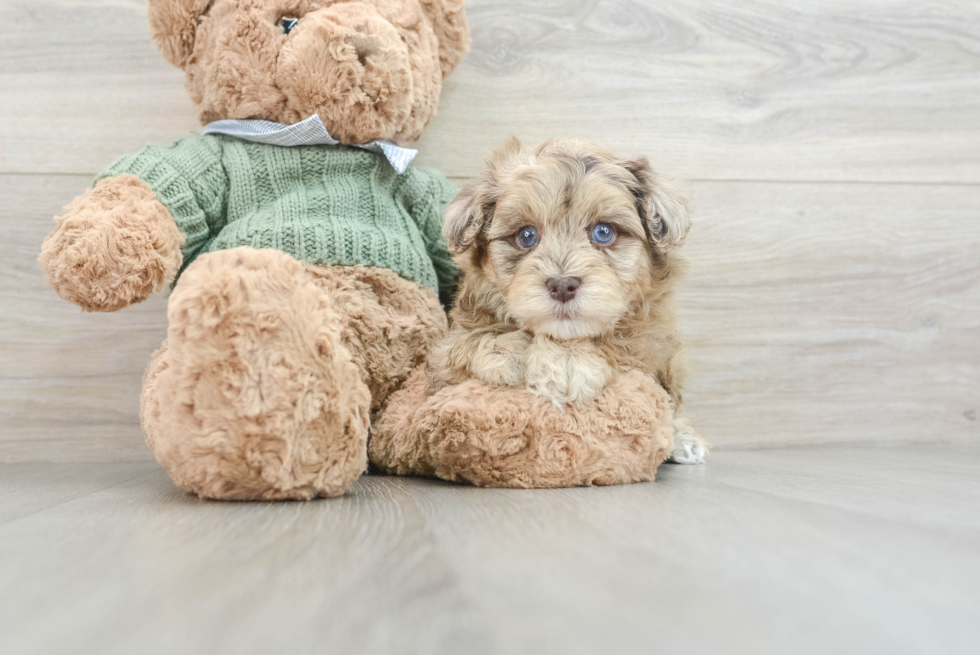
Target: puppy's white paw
<point x="562" y="374"/>
<point x="502" y="369"/>
<point x="497" y="359"/>
<point x="689" y="447"/>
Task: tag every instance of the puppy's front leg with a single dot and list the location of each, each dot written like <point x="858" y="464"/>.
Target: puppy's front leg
<point x="494" y="357"/>
<point x="565" y="372"/>
<point x="689" y="447"/>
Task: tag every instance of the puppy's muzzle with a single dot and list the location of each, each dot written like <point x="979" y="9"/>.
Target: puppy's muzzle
<point x="563" y="289"/>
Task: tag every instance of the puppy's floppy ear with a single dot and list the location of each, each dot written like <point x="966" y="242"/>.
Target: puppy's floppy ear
<point x="662" y="206"/>
<point x="465" y="217"/>
<point x="472" y="210"/>
<point x="173" y="26"/>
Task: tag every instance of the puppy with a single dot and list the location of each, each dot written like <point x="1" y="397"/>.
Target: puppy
<point x="569" y="258"/>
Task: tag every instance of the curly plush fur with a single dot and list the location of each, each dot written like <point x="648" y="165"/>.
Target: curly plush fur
<point x="496" y="436"/>
<point x="388" y="324"/>
<point x="271" y="367"/>
<point x="379" y="76"/>
<point x="115" y="245"/>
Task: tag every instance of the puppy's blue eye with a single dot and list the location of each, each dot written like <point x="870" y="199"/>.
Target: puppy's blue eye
<point x="286" y="23"/>
<point x="527" y="237"/>
<point x="603" y="234"/>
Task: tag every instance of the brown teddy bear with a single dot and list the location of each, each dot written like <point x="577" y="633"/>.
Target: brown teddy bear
<point x="311" y="277"/>
<point x="308" y="274"/>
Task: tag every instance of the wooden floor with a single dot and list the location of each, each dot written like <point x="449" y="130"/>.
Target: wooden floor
<point x="806" y="550"/>
<point x="831" y="315"/>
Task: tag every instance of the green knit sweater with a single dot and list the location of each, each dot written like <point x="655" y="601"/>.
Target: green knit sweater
<point x="321" y="204"/>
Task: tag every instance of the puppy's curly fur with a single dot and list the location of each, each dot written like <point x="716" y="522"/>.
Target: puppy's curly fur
<point x="507" y="326"/>
<point x="602" y="360"/>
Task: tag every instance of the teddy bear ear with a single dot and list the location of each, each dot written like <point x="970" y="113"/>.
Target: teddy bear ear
<point x="449" y="24"/>
<point x="173" y="26"/>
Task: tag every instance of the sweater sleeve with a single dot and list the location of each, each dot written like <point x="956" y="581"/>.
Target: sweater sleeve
<point x="427" y="211"/>
<point x="190" y="181"/>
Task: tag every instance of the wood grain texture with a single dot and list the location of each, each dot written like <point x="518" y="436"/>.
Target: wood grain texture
<point x="29" y="488"/>
<point x="832" y="313"/>
<point x="763" y="89"/>
<point x="816" y="311"/>
<point x="69" y="384"/>
<point x="813" y="313"/>
<point x="809" y="550"/>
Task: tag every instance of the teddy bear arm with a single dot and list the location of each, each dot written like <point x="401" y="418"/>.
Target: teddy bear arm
<point x="190" y="180"/>
<point x="114" y="246"/>
<point x="147" y="216"/>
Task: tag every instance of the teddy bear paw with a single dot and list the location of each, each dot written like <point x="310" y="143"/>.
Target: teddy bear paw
<point x="115" y="245"/>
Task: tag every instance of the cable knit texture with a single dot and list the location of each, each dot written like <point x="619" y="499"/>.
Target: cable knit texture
<point x="320" y="204"/>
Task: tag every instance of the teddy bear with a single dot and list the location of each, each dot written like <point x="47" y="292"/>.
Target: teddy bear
<point x="308" y="267"/>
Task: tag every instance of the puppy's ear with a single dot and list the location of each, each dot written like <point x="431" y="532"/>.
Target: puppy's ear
<point x="465" y="218"/>
<point x="471" y="212"/>
<point x="173" y="26"/>
<point x="663" y="208"/>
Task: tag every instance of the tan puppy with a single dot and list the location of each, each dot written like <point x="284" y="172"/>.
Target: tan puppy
<point x="568" y="259"/>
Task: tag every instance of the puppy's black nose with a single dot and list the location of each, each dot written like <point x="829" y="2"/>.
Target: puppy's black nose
<point x="563" y="288"/>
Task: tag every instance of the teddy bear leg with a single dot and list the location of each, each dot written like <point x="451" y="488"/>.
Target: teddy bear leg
<point x="496" y="436"/>
<point x="253" y="395"/>
<point x="388" y="323"/>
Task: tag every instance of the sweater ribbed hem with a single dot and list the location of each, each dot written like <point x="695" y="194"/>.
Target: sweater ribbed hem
<point x="319" y="244"/>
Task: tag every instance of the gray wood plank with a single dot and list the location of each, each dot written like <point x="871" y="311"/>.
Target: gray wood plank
<point x="759" y="90"/>
<point x="813" y="313"/>
<point x="69" y="384"/>
<point x="29" y="488"/>
<point x="820" y="313"/>
<point x="805" y="550"/>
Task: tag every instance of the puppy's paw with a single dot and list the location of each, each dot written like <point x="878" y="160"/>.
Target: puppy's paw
<point x="563" y="374"/>
<point x="505" y="369"/>
<point x="499" y="359"/>
<point x="689" y="447"/>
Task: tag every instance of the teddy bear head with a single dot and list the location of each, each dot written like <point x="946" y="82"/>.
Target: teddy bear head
<point x="370" y="69"/>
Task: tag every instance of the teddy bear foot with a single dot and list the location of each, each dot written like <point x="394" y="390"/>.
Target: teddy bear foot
<point x="495" y="436"/>
<point x="253" y="395"/>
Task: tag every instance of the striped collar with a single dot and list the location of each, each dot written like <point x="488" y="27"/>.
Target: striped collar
<point x="309" y="132"/>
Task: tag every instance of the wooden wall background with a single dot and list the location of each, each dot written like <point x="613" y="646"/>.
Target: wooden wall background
<point x="833" y="149"/>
